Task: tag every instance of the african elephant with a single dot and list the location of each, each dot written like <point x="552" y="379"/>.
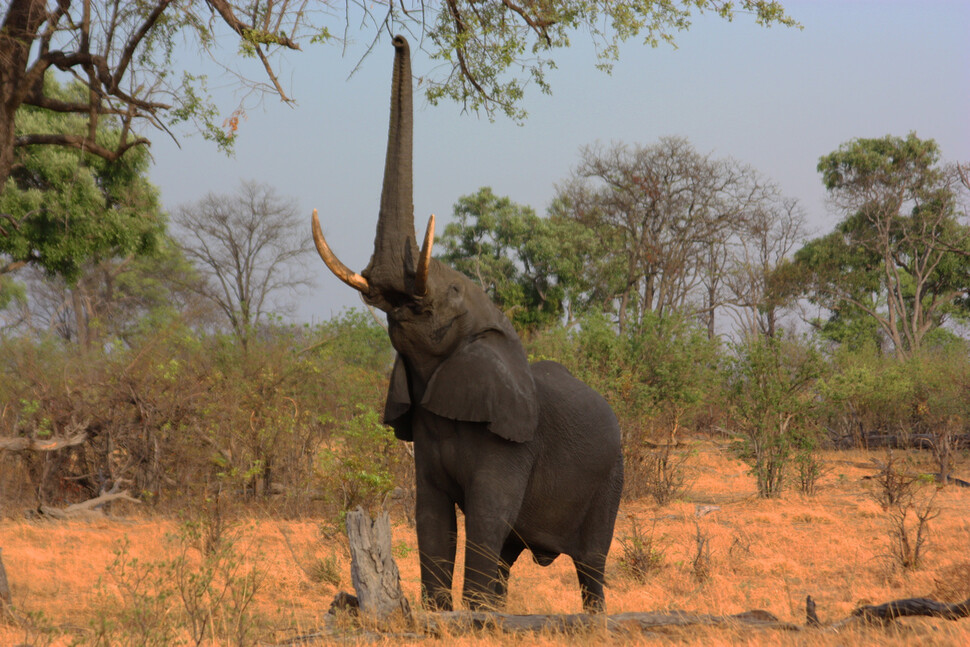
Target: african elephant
<point x="530" y="454"/>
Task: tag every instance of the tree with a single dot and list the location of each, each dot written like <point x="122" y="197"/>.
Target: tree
<point x="519" y="259"/>
<point x="759" y="275"/>
<point x="659" y="214"/>
<point x="246" y="245"/>
<point x="66" y="212"/>
<point x="62" y="208"/>
<point x="124" y="53"/>
<point x="900" y="258"/>
<point x="116" y="298"/>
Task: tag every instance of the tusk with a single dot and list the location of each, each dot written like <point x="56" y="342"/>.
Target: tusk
<point x="424" y="261"/>
<point x="340" y="270"/>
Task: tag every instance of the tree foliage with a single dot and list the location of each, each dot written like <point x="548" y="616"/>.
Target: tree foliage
<point x="486" y="44"/>
<point x="899" y="261"/>
<point x="661" y="216"/>
<point x="63" y="208"/>
<point x="523" y="262"/>
<point x="124" y="52"/>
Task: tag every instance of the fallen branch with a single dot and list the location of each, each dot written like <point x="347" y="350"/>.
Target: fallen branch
<point x="913" y="607"/>
<point x="20" y="444"/>
<point x="87" y="509"/>
<point x="365" y="537"/>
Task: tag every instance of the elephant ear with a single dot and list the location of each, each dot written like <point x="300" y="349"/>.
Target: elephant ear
<point x="397" y="408"/>
<point x="488" y="381"/>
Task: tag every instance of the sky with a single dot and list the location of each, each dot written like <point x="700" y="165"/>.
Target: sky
<point x="776" y="99"/>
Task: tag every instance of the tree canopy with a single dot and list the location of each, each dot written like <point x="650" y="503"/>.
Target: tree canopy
<point x="522" y="261"/>
<point x="899" y="261"/>
<point x="246" y="246"/>
<point x="63" y="208"/>
<point x="662" y="217"/>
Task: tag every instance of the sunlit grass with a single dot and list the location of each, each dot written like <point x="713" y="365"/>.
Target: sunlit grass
<point x="763" y="555"/>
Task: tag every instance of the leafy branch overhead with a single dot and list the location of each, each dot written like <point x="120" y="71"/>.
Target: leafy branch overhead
<point x="493" y="48"/>
<point x="125" y="53"/>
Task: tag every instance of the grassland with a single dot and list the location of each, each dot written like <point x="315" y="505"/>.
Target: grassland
<point x="758" y="554"/>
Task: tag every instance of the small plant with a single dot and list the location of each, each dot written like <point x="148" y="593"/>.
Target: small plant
<point x="700" y="565"/>
<point x="893" y="485"/>
<point x="909" y="512"/>
<point x="402" y="550"/>
<point x="208" y="596"/>
<point x="809" y="469"/>
<point x="665" y="477"/>
<point x="138" y="600"/>
<point x="325" y="570"/>
<point x="909" y="539"/>
<point x="642" y="554"/>
<point x="38" y="630"/>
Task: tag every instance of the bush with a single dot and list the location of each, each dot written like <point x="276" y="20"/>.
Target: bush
<point x="175" y="414"/>
<point x="357" y="466"/>
<point x="772" y="393"/>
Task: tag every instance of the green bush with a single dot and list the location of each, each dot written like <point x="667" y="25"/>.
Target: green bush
<point x="357" y="467"/>
<point x="772" y="386"/>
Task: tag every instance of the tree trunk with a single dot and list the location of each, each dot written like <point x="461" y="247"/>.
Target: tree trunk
<point x="17" y="33"/>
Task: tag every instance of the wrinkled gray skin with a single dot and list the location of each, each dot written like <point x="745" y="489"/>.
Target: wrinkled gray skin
<point x="530" y="454"/>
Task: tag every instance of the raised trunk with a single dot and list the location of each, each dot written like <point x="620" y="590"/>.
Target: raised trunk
<point x="393" y="265"/>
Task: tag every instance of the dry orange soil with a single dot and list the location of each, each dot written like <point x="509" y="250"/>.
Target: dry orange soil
<point x="767" y="555"/>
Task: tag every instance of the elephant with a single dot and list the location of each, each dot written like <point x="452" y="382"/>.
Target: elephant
<point x="530" y="454"/>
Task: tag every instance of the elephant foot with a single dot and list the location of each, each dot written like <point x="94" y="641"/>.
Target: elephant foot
<point x="437" y="600"/>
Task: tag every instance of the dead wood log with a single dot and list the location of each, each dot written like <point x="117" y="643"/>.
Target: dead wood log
<point x="20" y="444"/>
<point x="939" y="478"/>
<point x="913" y="607"/>
<point x="457" y="622"/>
<point x="373" y="570"/>
<point x="89" y="509"/>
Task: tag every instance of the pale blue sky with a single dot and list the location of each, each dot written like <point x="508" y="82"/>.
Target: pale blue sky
<point x="776" y="99"/>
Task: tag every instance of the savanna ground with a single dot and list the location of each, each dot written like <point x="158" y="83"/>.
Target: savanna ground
<point x="69" y="587"/>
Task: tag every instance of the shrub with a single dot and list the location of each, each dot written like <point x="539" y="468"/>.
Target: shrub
<point x="642" y="554"/>
<point x="175" y="414"/>
<point x="356" y="468"/>
<point x="771" y="384"/>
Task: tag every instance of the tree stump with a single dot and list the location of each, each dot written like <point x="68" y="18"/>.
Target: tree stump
<point x="373" y="570"/>
<point x="5" y="598"/>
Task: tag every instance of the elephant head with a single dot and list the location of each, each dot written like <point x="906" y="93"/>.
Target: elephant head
<point x="458" y="355"/>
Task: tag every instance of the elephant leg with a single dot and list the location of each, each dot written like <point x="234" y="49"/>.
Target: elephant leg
<point x="488" y="523"/>
<point x="510" y="552"/>
<point x="591" y="571"/>
<point x="437" y="536"/>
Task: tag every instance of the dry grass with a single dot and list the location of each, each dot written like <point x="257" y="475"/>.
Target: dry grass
<point x="763" y="555"/>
